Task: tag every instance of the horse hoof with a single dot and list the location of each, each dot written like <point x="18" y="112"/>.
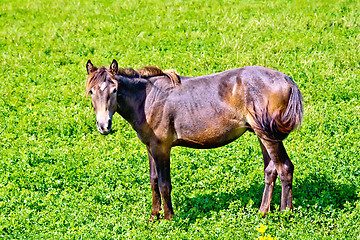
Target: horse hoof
<point x="154" y="218"/>
<point x="262" y="213"/>
<point x="169" y="217"/>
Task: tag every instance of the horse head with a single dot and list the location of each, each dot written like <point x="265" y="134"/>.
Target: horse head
<point x="102" y="87"/>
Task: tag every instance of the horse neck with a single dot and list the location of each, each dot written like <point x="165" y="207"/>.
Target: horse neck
<point x="131" y="99"/>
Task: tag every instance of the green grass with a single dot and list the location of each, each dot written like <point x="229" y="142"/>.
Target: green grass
<point x="60" y="179"/>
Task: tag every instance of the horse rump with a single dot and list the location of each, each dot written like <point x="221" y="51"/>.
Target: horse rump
<point x="276" y="125"/>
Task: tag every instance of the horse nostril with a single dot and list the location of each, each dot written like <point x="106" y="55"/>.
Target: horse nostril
<point x="100" y="126"/>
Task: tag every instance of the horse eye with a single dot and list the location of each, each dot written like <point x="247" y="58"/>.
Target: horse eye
<point x="115" y="90"/>
<point x="90" y="92"/>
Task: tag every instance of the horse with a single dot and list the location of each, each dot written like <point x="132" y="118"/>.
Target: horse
<point x="168" y="110"/>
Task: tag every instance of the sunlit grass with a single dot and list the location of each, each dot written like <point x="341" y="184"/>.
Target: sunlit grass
<point x="60" y="179"/>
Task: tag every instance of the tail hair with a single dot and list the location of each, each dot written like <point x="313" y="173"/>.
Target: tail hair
<point x="276" y="126"/>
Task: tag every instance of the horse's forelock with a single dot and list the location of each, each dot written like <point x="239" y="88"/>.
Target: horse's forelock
<point x="98" y="77"/>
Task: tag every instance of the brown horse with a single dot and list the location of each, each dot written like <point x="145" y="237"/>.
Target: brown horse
<point x="168" y="110"/>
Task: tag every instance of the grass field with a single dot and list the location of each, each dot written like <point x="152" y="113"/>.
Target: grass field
<point x="61" y="179"/>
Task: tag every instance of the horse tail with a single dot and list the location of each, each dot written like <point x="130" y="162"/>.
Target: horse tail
<point x="277" y="125"/>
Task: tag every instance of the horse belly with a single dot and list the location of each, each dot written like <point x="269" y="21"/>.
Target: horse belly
<point x="203" y="136"/>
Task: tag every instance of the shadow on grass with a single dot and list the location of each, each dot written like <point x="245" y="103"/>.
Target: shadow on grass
<point x="317" y="193"/>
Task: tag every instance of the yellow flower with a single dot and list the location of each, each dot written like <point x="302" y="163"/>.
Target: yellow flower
<point x="261" y="229"/>
<point x="268" y="237"/>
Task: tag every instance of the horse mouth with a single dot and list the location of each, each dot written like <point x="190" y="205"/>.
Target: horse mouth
<point x="104" y="132"/>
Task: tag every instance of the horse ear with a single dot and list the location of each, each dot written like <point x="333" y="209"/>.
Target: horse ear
<point x="90" y="67"/>
<point x="114" y="66"/>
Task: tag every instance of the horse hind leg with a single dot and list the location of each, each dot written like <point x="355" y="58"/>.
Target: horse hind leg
<point x="270" y="178"/>
<point x="284" y="169"/>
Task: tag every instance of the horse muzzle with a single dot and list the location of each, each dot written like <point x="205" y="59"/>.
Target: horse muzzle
<point x="104" y="127"/>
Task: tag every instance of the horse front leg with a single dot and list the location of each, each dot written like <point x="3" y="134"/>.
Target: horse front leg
<point x="156" y="197"/>
<point x="161" y="157"/>
<point x="270" y="178"/>
<point x="284" y="169"/>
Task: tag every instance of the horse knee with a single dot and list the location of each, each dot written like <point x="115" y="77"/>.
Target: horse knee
<point x="165" y="188"/>
<point x="270" y="176"/>
<point x="153" y="180"/>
